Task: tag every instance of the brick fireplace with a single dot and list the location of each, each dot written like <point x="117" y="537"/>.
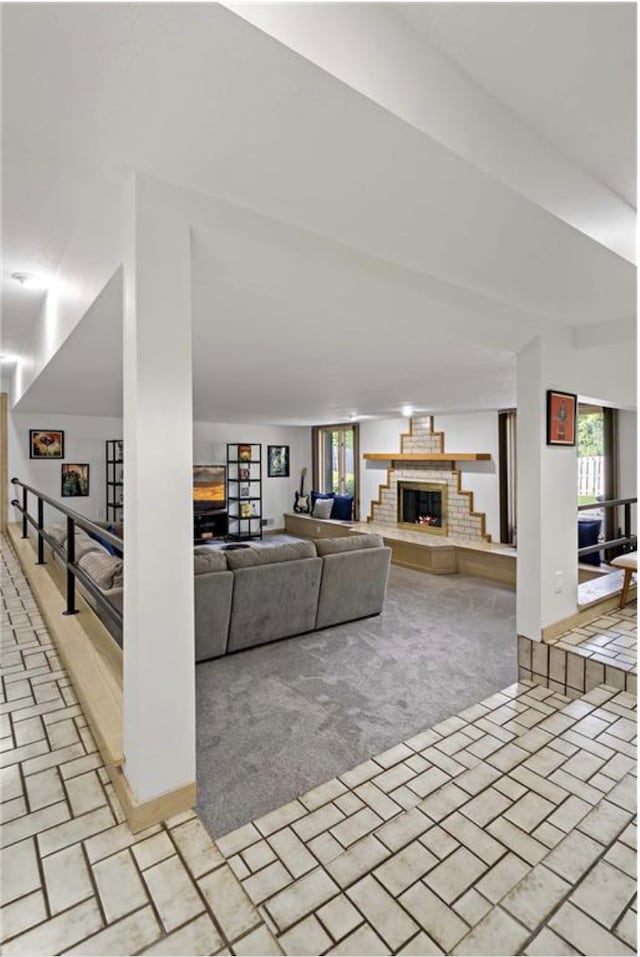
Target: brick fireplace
<point x="425" y="494"/>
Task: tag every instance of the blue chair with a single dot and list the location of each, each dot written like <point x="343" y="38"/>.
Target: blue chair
<point x="588" y="534"/>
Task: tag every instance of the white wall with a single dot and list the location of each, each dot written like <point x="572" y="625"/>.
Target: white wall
<point x="464" y="432"/>
<point x="85" y="436"/>
<point x="377" y="435"/>
<point x="476" y="432"/>
<point x="210" y="448"/>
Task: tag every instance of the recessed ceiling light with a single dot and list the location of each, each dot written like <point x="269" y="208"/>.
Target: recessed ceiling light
<point x="407" y="410"/>
<point x="30" y="281"/>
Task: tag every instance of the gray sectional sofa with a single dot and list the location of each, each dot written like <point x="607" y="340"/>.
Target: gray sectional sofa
<point x="251" y="596"/>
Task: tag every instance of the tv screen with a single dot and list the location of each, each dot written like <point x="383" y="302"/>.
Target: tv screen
<point x="209" y="487"/>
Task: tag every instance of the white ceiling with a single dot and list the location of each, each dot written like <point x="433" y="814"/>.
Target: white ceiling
<point x="566" y="69"/>
<point x="417" y="240"/>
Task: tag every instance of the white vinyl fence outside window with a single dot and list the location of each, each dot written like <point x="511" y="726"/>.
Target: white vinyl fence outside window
<point x="591" y="475"/>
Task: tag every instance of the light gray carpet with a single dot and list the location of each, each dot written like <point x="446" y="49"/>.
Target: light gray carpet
<point x="275" y="721"/>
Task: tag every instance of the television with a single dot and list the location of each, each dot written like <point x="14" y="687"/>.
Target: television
<point x="209" y="488"/>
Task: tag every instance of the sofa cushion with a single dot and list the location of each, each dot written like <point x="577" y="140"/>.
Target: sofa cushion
<point x="85" y="544"/>
<point x="104" y="569"/>
<point x="273" y="601"/>
<point x="353" y="585"/>
<point x="342" y="510"/>
<point x="322" y="508"/>
<point x="212" y="608"/>
<point x="208" y="560"/>
<point x="270" y="554"/>
<point x="58" y="533"/>
<point x="350" y="543"/>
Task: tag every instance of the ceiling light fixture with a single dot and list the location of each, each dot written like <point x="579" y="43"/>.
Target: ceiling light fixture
<point x="21" y="277"/>
<point x="407" y="410"/>
<point x="29" y="280"/>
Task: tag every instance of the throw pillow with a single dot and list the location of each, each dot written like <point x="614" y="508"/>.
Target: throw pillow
<point x="316" y="495"/>
<point x="322" y="508"/>
<point x="342" y="508"/>
<point x="108" y="547"/>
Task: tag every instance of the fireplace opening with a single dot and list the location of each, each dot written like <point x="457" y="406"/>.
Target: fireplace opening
<point x="423" y="506"/>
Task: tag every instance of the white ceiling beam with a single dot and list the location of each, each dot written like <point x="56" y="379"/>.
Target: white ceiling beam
<point x="374" y="51"/>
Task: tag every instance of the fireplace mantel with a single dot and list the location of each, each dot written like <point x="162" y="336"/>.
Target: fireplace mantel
<point x="428" y="456"/>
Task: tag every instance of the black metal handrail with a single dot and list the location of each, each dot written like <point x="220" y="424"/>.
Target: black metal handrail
<point x="628" y="541"/>
<point x="67" y="554"/>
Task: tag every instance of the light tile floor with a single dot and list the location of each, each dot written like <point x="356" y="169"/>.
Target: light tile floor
<point x="508" y="829"/>
<point x="610" y="639"/>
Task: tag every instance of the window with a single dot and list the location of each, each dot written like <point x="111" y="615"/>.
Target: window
<point x="596" y="445"/>
<point x="597" y="482"/>
<point x="591" y="458"/>
<point x="335" y="460"/>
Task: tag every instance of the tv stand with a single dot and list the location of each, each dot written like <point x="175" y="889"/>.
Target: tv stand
<point x="209" y="525"/>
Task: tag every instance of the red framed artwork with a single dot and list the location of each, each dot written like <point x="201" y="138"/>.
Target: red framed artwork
<point x="561" y="418"/>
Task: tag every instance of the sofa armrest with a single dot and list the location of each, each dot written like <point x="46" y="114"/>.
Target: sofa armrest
<point x="353" y="585"/>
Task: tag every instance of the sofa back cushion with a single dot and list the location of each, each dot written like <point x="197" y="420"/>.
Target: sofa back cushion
<point x="348" y="543"/>
<point x="272" y="601"/>
<point x="104" y="569"/>
<point x="58" y="533"/>
<point x="212" y="607"/>
<point x="85" y="544"/>
<point x="270" y="554"/>
<point x="208" y="560"/>
<point x="353" y="585"/>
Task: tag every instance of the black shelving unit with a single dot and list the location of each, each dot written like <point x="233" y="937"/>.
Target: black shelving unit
<point x="114" y="455"/>
<point x="208" y="525"/>
<point x="244" y="481"/>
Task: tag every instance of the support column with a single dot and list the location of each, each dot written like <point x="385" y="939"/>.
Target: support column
<point x="159" y="669"/>
<point x="547" y="577"/>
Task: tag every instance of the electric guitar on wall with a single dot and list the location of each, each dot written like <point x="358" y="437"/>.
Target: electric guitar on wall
<point x="301" y="503"/>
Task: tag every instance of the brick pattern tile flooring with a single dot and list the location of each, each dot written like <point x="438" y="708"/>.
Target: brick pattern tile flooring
<point x="507" y="829"/>
<point x="611" y="639"/>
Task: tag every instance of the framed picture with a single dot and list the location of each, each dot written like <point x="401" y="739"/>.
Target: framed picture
<point x="75" y="481"/>
<point x="244" y="453"/>
<point x="46" y="444"/>
<point x="561" y="418"/>
<point x="278" y="461"/>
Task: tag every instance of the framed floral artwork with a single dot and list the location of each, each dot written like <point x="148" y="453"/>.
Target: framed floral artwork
<point x="46" y="444"/>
